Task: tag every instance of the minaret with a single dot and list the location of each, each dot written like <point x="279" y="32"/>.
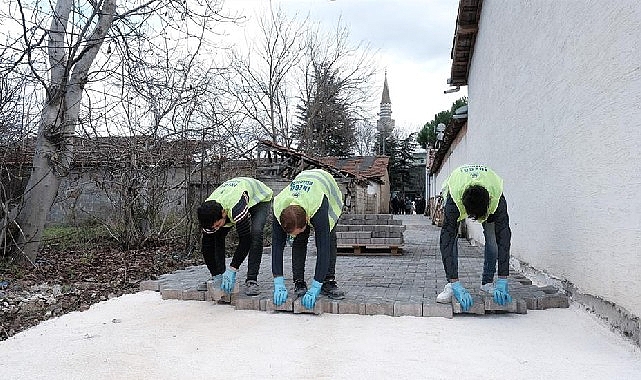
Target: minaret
<point x="385" y="123"/>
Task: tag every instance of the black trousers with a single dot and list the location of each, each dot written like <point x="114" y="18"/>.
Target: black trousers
<point x="299" y="255"/>
<point x="213" y="245"/>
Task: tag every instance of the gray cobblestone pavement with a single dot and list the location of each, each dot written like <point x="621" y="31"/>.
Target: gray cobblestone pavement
<point x="391" y="285"/>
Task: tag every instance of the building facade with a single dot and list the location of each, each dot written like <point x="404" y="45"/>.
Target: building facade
<point x="559" y="121"/>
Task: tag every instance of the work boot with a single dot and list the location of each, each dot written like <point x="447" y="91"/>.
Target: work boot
<point x="252" y="288"/>
<point x="331" y="290"/>
<point x="300" y="288"/>
<point x="446" y="295"/>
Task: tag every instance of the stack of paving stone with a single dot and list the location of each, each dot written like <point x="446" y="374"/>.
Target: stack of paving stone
<point x="369" y="234"/>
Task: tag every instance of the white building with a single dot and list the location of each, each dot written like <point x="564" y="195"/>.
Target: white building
<point x="554" y="93"/>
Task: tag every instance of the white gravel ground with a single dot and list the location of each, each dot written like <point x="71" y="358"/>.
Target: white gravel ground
<point x="140" y="336"/>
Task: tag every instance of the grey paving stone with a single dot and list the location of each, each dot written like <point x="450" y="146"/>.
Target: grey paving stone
<point x="329" y="306"/>
<point x="478" y="307"/>
<point x="412" y="309"/>
<point x="350" y="307"/>
<point x="171" y="294"/>
<point x="193" y="295"/>
<point x="521" y="306"/>
<point x="379" y="308"/>
<point x="300" y="309"/>
<point x="247" y="303"/>
<point x="150" y="285"/>
<point x="287" y="306"/>
<point x="214" y="293"/>
<point x="490" y="305"/>
<point x="444" y="310"/>
<point x="553" y="301"/>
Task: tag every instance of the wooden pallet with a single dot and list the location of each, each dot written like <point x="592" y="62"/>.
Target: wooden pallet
<point x="369" y="250"/>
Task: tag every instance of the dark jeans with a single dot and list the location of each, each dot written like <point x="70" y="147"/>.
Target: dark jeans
<point x="299" y="255"/>
<point x="214" y="245"/>
<point x="490" y="254"/>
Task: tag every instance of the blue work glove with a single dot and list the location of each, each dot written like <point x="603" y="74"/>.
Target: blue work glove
<point x="462" y="295"/>
<point x="280" y="291"/>
<point x="229" y="281"/>
<point x="309" y="299"/>
<point x="501" y="292"/>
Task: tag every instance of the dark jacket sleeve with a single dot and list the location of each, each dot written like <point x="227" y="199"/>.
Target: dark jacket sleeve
<point x="320" y="222"/>
<point x="279" y="237"/>
<point x="501" y="221"/>
<point x="449" y="234"/>
<point x="242" y="218"/>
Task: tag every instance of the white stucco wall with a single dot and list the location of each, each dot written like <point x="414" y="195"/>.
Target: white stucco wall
<point x="555" y="109"/>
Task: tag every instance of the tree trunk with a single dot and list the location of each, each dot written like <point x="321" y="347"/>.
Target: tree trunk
<point x="54" y="145"/>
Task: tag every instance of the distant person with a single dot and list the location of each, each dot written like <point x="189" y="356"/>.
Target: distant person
<point x="420" y="205"/>
<point x="394" y="205"/>
<point x="475" y="191"/>
<point x="312" y="199"/>
<point x="244" y="203"/>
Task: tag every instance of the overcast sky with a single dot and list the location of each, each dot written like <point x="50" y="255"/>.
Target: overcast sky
<point x="413" y="39"/>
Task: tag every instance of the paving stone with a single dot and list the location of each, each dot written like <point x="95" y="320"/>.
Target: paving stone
<point x="490" y="305"/>
<point x="193" y="295"/>
<point x="287" y="306"/>
<point x="330" y="306"/>
<point x="478" y="307"/>
<point x="521" y="306"/>
<point x="351" y="307"/>
<point x="444" y="310"/>
<point x="300" y="309"/>
<point x="150" y="285"/>
<point x="379" y="308"/>
<point x="247" y="303"/>
<point x="412" y="309"/>
<point x="553" y="301"/>
<point x="171" y="294"/>
<point x="549" y="289"/>
<point x="217" y="295"/>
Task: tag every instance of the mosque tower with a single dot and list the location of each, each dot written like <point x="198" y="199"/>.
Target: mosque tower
<point x="385" y="123"/>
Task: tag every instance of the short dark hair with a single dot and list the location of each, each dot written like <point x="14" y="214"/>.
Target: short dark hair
<point x="293" y="217"/>
<point x="476" y="200"/>
<point x="208" y="213"/>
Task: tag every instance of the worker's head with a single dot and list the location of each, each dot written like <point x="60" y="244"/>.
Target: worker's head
<point x="293" y="219"/>
<point x="476" y="200"/>
<point x="211" y="216"/>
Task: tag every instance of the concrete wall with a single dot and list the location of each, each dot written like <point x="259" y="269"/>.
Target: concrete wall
<point x="554" y="93"/>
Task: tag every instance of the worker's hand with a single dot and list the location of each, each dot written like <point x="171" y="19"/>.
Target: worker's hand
<point x="501" y="292"/>
<point x="309" y="299"/>
<point x="229" y="280"/>
<point x="462" y="295"/>
<point x="280" y="291"/>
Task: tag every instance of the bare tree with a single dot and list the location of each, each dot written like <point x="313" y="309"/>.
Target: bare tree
<point x="365" y="138"/>
<point x="63" y="68"/>
<point x="337" y="91"/>
<point x="261" y="75"/>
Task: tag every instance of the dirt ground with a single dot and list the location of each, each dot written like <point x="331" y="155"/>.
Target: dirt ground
<point x="69" y="280"/>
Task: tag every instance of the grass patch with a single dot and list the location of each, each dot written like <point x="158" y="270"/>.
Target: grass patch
<point x="75" y="237"/>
